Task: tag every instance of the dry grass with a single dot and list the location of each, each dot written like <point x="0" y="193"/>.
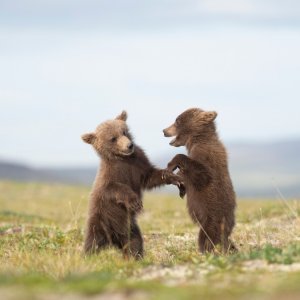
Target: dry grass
<point x="41" y="232"/>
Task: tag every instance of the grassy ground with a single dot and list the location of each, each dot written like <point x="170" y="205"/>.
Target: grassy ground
<point x="41" y="236"/>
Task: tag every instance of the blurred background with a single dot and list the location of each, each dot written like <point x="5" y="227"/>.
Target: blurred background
<point x="66" y="66"/>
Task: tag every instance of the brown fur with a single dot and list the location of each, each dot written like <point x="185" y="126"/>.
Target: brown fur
<point x="116" y="197"/>
<point x="210" y="194"/>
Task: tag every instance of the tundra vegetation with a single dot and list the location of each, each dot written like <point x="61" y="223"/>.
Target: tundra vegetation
<point x="41" y="257"/>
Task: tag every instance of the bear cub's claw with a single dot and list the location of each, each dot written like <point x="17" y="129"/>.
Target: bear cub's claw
<point x="170" y="178"/>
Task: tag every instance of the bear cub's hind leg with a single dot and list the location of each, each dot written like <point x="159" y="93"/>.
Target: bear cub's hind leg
<point x="205" y="244"/>
<point x="95" y="238"/>
<point x="132" y="244"/>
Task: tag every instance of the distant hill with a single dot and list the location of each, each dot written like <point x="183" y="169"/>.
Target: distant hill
<point x="261" y="168"/>
<point x="70" y="175"/>
<point x="257" y="169"/>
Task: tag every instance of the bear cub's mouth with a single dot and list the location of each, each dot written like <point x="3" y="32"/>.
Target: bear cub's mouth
<point x="173" y="141"/>
<point x="128" y="152"/>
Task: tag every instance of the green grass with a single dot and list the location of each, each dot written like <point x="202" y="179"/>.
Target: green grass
<point x="41" y="237"/>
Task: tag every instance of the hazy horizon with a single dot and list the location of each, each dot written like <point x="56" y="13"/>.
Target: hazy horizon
<point x="93" y="163"/>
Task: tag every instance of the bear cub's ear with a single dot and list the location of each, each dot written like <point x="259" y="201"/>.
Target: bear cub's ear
<point x="122" y="116"/>
<point x="89" y="138"/>
<point x="208" y="116"/>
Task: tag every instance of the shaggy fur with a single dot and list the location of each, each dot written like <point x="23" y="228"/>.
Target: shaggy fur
<point x="116" y="197"/>
<point x="210" y="194"/>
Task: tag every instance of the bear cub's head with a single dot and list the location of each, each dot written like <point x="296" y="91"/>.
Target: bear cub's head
<point x="191" y="123"/>
<point x="111" y="138"/>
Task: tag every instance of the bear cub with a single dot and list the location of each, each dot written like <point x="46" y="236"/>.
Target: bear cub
<point x="210" y="195"/>
<point x="116" y="197"/>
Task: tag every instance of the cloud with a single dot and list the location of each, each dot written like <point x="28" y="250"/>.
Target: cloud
<point x="67" y="65"/>
<point x="255" y="8"/>
<point x="227" y="7"/>
<point x="55" y="87"/>
<point x="136" y="15"/>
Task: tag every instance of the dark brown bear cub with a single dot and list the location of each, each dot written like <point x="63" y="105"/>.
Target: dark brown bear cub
<point x="116" y="197"/>
<point x="210" y="194"/>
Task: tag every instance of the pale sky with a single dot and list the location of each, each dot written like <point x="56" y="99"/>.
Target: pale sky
<point x="66" y="66"/>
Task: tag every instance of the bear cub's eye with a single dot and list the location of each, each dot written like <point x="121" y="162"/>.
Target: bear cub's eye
<point x="113" y="139"/>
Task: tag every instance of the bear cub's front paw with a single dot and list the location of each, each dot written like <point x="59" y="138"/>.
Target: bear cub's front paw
<point x="171" y="178"/>
<point x="182" y="191"/>
<point x="135" y="204"/>
<point x="132" y="203"/>
<point x="177" y="163"/>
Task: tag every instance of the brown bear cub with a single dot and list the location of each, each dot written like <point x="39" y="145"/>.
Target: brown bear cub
<point x="116" y="197"/>
<point x="210" y="194"/>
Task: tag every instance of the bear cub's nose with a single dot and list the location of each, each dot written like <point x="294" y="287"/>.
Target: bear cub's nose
<point x="165" y="133"/>
<point x="130" y="146"/>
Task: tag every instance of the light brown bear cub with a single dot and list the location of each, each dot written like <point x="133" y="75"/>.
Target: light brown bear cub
<point x="210" y="194"/>
<point x="116" y="197"/>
